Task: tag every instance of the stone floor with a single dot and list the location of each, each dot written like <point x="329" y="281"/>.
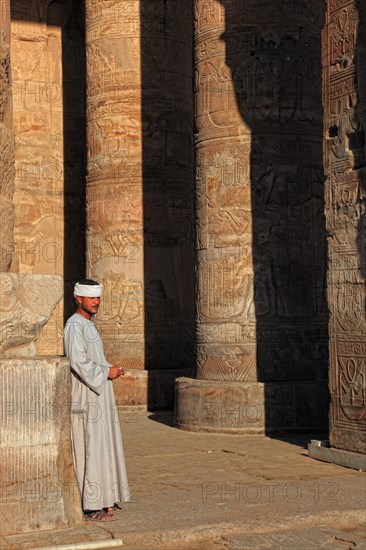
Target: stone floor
<point x="223" y="492"/>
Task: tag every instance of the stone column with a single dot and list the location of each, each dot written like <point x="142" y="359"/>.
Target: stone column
<point x="260" y="235"/>
<point x="114" y="175"/>
<point x="140" y="190"/>
<point x="7" y="147"/>
<point x="344" y="74"/>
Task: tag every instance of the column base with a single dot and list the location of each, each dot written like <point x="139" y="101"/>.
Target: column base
<point x="148" y="389"/>
<point x="251" y="408"/>
<point x="38" y="486"/>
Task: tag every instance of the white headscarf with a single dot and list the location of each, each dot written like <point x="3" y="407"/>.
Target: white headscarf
<point x="90" y="291"/>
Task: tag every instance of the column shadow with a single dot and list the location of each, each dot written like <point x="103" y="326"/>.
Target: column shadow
<point x="75" y="147"/>
<point x="168" y="195"/>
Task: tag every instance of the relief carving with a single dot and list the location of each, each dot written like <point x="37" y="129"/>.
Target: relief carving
<point x="345" y="212"/>
<point x="348" y="384"/>
<point x="227" y="362"/>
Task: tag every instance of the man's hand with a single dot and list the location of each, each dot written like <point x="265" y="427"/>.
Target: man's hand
<point x="115" y="372"/>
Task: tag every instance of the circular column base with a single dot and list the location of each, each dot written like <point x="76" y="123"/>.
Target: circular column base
<point x="219" y="407"/>
<point x="251" y="408"/>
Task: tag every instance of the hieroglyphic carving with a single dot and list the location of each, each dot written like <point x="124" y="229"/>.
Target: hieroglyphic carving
<point x="211" y="14"/>
<point x="345" y="212"/>
<point x="121" y="318"/>
<point x="348" y="388"/>
<point x="344" y="143"/>
<point x="223" y="196"/>
<point x="225" y="361"/>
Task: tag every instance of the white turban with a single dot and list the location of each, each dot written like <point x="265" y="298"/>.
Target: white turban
<point x="90" y="291"/>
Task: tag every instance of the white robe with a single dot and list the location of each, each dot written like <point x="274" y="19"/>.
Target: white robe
<point x="95" y="431"/>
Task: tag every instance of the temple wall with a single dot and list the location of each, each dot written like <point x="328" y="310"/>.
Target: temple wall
<point x="38" y="485"/>
<point x="48" y="92"/>
<point x="344" y="90"/>
<point x="260" y="255"/>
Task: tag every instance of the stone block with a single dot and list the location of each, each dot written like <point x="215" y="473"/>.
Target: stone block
<point x="348" y="459"/>
<point x="38" y="486"/>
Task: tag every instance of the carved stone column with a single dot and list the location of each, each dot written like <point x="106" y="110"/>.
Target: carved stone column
<point x="7" y="148"/>
<point x="345" y="159"/>
<point x="140" y="190"/>
<point x="114" y="178"/>
<point x="261" y="335"/>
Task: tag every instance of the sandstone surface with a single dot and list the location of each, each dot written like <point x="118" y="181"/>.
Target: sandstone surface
<point x="26" y="303"/>
<point x="38" y="486"/>
<point x="344" y="73"/>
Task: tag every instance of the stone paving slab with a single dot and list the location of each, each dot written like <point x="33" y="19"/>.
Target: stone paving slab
<point x="304" y="539"/>
<point x="85" y="533"/>
<point x="195" y="489"/>
<point x="301" y="539"/>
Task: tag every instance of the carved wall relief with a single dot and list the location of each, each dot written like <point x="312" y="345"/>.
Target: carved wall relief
<point x="38" y="126"/>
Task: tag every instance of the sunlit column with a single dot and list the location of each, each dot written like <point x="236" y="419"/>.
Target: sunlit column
<point x="114" y="175"/>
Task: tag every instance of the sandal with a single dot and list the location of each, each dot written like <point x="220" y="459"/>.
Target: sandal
<point x="100" y="515"/>
<point x="114" y="508"/>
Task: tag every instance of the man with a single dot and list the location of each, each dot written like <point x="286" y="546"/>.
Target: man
<point x="95" y="431"/>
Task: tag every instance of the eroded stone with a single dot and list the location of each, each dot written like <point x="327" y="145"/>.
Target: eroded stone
<point x="26" y="303"/>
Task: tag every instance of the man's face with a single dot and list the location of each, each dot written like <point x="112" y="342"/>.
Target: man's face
<point x="89" y="305"/>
